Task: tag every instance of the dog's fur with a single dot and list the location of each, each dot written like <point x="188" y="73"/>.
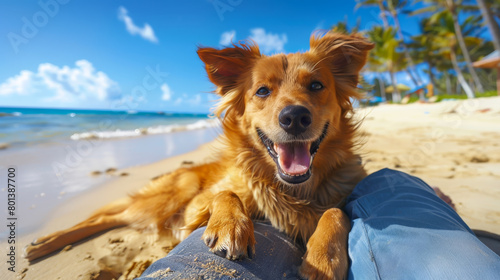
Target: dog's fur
<point x="246" y="182"/>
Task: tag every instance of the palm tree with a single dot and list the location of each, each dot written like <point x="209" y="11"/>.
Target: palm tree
<point x="423" y="49"/>
<point x="376" y="64"/>
<point x="494" y="6"/>
<point x="453" y="7"/>
<point x="379" y="87"/>
<point x="385" y="56"/>
<point x="441" y="26"/>
<point x="393" y="6"/>
<point x="490" y="21"/>
<point x="380" y="4"/>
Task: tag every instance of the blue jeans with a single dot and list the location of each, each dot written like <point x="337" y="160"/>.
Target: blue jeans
<point x="400" y="230"/>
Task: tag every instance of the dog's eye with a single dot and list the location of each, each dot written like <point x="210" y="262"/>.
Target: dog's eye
<point x="263" y="92"/>
<point x="316" y="86"/>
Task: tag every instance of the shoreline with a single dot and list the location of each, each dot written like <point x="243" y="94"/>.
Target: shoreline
<point x="92" y="254"/>
<point x="78" y="208"/>
<point x="49" y="175"/>
<point x="450" y="145"/>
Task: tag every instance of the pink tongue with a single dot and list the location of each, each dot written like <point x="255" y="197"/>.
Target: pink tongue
<point x="295" y="158"/>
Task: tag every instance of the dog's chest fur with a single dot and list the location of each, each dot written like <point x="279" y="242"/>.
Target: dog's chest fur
<point x="295" y="213"/>
<point x="296" y="217"/>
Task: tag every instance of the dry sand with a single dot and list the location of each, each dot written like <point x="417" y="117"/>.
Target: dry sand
<point x="453" y="145"/>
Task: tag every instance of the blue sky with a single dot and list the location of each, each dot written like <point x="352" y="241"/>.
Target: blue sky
<point x="141" y="55"/>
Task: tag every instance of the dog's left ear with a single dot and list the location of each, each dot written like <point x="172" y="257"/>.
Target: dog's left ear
<point x="346" y="54"/>
<point x="227" y="66"/>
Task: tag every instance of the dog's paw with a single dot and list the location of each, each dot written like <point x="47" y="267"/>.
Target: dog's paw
<point x="317" y="266"/>
<point x="231" y="236"/>
<point x="326" y="255"/>
<point x="36" y="249"/>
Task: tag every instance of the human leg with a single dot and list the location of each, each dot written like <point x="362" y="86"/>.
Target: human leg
<point x="276" y="257"/>
<point x="402" y="230"/>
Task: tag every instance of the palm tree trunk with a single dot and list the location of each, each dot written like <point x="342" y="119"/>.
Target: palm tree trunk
<point x="432" y="77"/>
<point x="463" y="47"/>
<point x="492" y="24"/>
<point x="382" y="14"/>
<point x="460" y="77"/>
<point x="471" y="84"/>
<point x="448" y="82"/>
<point x="382" y="87"/>
<point x="498" y="80"/>
<point x="396" y="96"/>
<point x="413" y="73"/>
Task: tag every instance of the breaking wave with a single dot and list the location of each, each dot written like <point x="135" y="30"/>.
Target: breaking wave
<point x="201" y="124"/>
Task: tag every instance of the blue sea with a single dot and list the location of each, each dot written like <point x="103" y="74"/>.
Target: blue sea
<point x="56" y="151"/>
<point x="28" y="126"/>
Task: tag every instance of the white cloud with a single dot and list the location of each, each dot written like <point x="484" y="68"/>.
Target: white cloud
<point x="167" y="92"/>
<point x="227" y="38"/>
<point x="64" y="84"/>
<point x="268" y="42"/>
<point x="18" y="84"/>
<point x="145" y="32"/>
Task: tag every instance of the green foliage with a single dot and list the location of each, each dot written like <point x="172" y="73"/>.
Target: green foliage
<point x="385" y="56"/>
<point x="413" y="99"/>
<point x="463" y="96"/>
<point x="343" y="27"/>
<point x="489" y="93"/>
<point x="442" y="37"/>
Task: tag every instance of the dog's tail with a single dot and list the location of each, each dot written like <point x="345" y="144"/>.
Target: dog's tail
<point x="154" y="205"/>
<point x="109" y="216"/>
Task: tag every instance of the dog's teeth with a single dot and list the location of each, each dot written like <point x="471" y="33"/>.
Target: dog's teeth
<point x="293" y="175"/>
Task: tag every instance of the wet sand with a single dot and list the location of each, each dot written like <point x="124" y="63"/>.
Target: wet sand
<point x="49" y="175"/>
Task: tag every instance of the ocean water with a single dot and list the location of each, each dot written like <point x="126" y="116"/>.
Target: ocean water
<point x="28" y="126"/>
<point x="55" y="152"/>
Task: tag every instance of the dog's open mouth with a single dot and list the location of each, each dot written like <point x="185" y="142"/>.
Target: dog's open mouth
<point x="293" y="159"/>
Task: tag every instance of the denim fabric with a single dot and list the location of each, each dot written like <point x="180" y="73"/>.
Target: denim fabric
<point x="276" y="257"/>
<point x="400" y="230"/>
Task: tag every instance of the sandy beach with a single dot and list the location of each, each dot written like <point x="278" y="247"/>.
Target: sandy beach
<point x="453" y="145"/>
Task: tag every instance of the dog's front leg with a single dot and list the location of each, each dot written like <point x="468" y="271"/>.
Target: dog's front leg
<point x="229" y="232"/>
<point x="326" y="256"/>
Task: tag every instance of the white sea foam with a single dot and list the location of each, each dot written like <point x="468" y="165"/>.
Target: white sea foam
<point x="201" y="124"/>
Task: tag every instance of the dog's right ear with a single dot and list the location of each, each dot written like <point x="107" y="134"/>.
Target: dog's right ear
<point x="226" y="67"/>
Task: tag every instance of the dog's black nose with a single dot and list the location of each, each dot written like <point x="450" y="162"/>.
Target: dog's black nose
<point x="295" y="119"/>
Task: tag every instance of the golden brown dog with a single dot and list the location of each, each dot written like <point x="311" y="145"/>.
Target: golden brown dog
<point x="288" y="157"/>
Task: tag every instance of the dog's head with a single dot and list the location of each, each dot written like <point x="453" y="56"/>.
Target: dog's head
<point x="288" y="106"/>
